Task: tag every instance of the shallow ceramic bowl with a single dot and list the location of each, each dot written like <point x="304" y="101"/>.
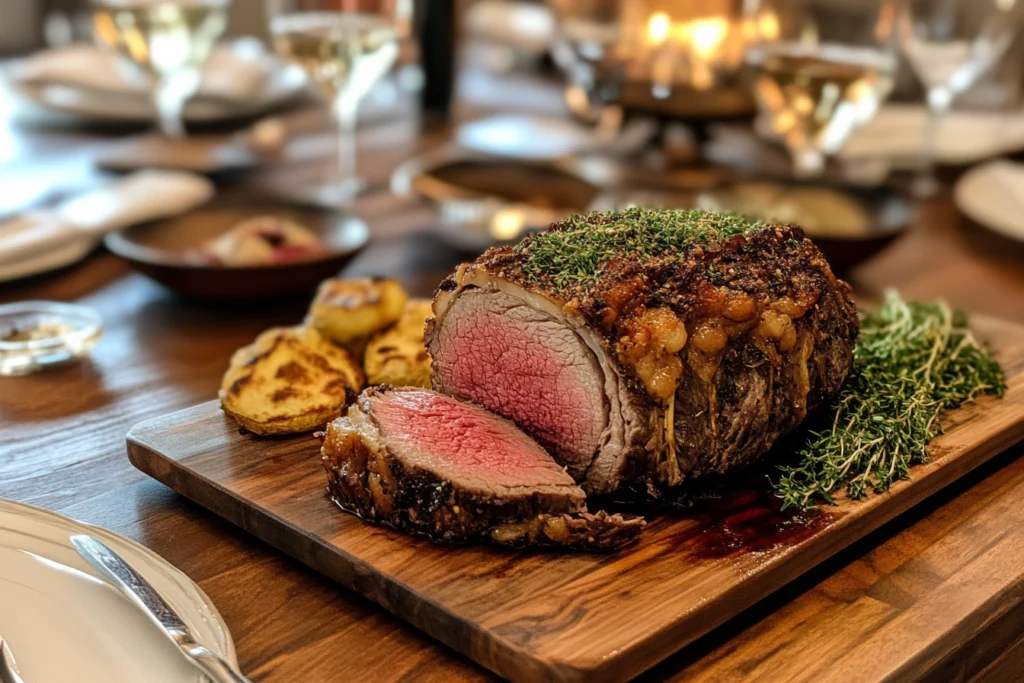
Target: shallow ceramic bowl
<point x="162" y="249"/>
<point x="483" y="201"/>
<point x="888" y="212"/>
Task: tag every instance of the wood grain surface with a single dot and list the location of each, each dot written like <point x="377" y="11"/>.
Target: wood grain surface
<point x="62" y="446"/>
<point x="533" y="616"/>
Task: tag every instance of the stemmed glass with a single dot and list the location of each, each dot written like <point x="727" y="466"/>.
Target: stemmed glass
<point x="170" y="40"/>
<point x="585" y="46"/>
<point x="950" y="44"/>
<point x="346" y="47"/>
<point x="821" y="68"/>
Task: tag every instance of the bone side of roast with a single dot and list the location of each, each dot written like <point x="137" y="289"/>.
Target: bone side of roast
<point x="432" y="465"/>
<point x="660" y="370"/>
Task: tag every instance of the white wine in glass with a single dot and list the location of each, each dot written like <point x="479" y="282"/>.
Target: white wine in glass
<point x="346" y="48"/>
<point x="169" y="40"/>
<point x="820" y="70"/>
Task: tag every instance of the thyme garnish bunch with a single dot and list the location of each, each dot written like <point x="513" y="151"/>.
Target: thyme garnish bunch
<point x="912" y="362"/>
<point x="572" y="253"/>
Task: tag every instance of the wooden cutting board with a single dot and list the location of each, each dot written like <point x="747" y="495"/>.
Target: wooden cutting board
<point x="553" y="616"/>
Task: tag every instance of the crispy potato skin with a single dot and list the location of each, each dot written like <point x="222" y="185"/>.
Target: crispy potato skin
<point x="349" y="311"/>
<point x="289" y="380"/>
<point x="398" y="356"/>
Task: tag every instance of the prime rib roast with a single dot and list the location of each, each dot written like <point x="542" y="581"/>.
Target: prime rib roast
<point x="429" y="464"/>
<point x="642" y="349"/>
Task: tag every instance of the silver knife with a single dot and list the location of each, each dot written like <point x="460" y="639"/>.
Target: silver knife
<point x="8" y="669"/>
<point x="137" y="589"/>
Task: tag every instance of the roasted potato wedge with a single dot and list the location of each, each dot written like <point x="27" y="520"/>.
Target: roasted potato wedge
<point x="349" y="311"/>
<point x="397" y="355"/>
<point x="289" y="380"/>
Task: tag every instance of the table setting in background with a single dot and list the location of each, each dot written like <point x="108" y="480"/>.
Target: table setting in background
<point x="424" y="340"/>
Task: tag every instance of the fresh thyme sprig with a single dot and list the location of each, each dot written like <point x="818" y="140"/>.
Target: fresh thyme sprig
<point x="912" y="362"/>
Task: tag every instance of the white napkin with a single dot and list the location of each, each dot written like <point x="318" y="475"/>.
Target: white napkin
<point x="234" y="71"/>
<point x="82" y="220"/>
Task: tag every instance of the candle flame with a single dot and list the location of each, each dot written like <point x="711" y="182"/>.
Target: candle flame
<point x="768" y="25"/>
<point x="707" y="34"/>
<point x="507" y="224"/>
<point x="658" y="27"/>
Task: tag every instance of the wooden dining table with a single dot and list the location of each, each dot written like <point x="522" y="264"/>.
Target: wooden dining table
<point x="937" y="594"/>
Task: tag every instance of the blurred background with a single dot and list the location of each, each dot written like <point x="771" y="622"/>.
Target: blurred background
<point x="242" y="151"/>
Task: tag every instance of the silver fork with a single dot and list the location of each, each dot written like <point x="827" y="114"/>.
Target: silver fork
<point x="8" y="669"/>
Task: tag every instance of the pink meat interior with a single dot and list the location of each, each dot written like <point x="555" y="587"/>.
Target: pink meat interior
<point x="462" y="442"/>
<point x="520" y="362"/>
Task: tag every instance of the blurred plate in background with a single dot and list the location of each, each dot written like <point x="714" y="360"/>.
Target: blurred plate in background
<point x="206" y="154"/>
<point x="899" y="131"/>
<point x="83" y="82"/>
<point x="992" y="195"/>
<point x="483" y="201"/>
<point x="546" y="138"/>
<point x="507" y="33"/>
<point x="893" y="140"/>
<point x="848" y="226"/>
<point x="64" y="623"/>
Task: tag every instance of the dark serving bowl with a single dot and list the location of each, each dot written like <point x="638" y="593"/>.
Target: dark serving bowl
<point x="484" y="201"/>
<point x="844" y="254"/>
<point x="161" y="249"/>
<point x="883" y="215"/>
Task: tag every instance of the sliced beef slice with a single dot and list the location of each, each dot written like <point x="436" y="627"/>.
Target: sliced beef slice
<point x="508" y="356"/>
<point x="430" y="464"/>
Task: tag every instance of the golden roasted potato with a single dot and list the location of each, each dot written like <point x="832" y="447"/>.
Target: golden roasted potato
<point x="289" y="380"/>
<point x="349" y="311"/>
<point x="397" y="356"/>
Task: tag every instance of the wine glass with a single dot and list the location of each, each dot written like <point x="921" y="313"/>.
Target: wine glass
<point x="170" y="40"/>
<point x="587" y="33"/>
<point x="346" y="47"/>
<point x="949" y="45"/>
<point x="821" y="68"/>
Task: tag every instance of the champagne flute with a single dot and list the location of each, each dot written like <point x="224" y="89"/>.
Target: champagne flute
<point x="170" y="40"/>
<point x="821" y="68"/>
<point x="346" y="47"/>
<point x="950" y="44"/>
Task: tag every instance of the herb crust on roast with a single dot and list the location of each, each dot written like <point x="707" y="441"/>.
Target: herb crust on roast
<point x="647" y="347"/>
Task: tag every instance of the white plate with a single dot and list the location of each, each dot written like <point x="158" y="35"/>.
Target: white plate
<point x="64" y="623"/>
<point x="965" y="137"/>
<point x="546" y="138"/>
<point x="993" y="195"/>
<point x="94" y="105"/>
<point x="527" y="27"/>
<point x="104" y="90"/>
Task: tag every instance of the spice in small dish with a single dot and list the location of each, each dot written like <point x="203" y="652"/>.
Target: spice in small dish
<point x="39" y="334"/>
<point x="36" y="331"/>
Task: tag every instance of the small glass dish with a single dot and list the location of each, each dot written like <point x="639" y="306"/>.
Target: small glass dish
<point x="40" y="334"/>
